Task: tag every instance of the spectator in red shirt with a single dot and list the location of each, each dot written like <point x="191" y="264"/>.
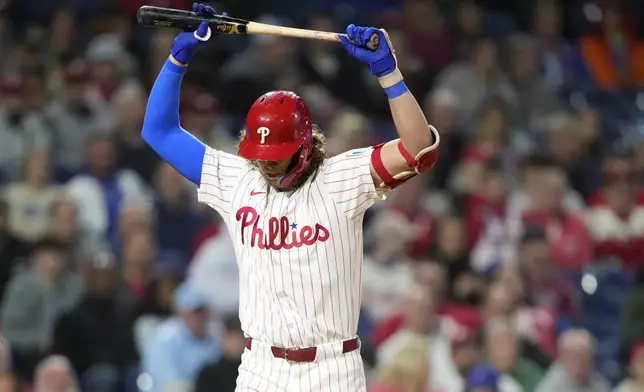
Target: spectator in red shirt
<point x="421" y="212"/>
<point x="616" y="167"/>
<point x="484" y="203"/>
<point x="568" y="237"/>
<point x="541" y="286"/>
<point x="618" y="225"/>
<point x="490" y="237"/>
<point x="455" y="316"/>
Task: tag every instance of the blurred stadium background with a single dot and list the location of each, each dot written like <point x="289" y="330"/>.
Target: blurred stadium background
<point x="519" y="256"/>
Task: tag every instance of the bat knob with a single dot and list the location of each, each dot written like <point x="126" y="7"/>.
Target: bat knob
<point x="374" y="41"/>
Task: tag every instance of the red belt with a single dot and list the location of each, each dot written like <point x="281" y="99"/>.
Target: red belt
<point x="306" y="354"/>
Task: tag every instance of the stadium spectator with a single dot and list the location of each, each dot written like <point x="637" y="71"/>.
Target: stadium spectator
<point x="490" y="237"/>
<point x="65" y="229"/>
<point x="635" y="379"/>
<point x="616" y="166"/>
<point x="500" y="304"/>
<point x="111" y="71"/>
<point x="574" y="370"/>
<point x="31" y="201"/>
<point x="465" y="354"/>
<point x="34" y="92"/>
<point x="182" y="346"/>
<point x="422" y="212"/>
<point x="47" y="290"/>
<point x="482" y="379"/>
<point x="222" y="375"/>
<point x="441" y="109"/>
<point x="137" y="261"/>
<point x="632" y="317"/>
<point x="214" y="271"/>
<point x="74" y="120"/>
<point x="408" y="370"/>
<point x="382" y="294"/>
<point x="178" y="222"/>
<point x="612" y="50"/>
<point x="541" y="286"/>
<point x="564" y="143"/>
<point x="104" y="189"/>
<point x="133" y="218"/>
<point x="349" y="128"/>
<point x="502" y="344"/>
<point x="202" y="115"/>
<point x="20" y="130"/>
<point x="535" y="97"/>
<point x="55" y="374"/>
<point x="133" y="153"/>
<point x="560" y="60"/>
<point x="617" y="226"/>
<point x="9" y="383"/>
<point x="523" y="197"/>
<point x="96" y="335"/>
<point x="568" y="236"/>
<point x="479" y="77"/>
<point x="157" y="304"/>
<point x="420" y="320"/>
<point x="427" y="36"/>
<point x="12" y="251"/>
<point x="450" y="247"/>
<point x="468" y="28"/>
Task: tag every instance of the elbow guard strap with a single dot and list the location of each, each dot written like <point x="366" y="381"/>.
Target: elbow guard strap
<point x="423" y="162"/>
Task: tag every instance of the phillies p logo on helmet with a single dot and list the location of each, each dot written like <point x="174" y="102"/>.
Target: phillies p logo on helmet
<point x="263" y="132"/>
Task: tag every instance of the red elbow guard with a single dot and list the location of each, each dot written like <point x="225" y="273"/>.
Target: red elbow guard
<point x="423" y="162"/>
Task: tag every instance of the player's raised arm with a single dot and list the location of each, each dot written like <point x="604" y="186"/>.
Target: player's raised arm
<point x="161" y="128"/>
<point x="417" y="149"/>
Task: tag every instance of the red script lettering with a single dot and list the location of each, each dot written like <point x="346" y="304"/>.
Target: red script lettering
<point x="280" y="233"/>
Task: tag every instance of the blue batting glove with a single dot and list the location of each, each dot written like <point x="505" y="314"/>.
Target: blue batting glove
<point x="381" y="61"/>
<point x="187" y="44"/>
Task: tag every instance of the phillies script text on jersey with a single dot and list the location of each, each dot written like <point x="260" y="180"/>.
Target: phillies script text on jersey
<point x="279" y="229"/>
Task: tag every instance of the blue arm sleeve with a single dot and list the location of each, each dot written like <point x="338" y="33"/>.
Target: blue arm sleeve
<point x="161" y="128"/>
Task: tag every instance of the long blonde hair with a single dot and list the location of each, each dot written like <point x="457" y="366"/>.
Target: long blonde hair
<point x="408" y="370"/>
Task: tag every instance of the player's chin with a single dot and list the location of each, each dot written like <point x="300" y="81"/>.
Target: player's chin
<point x="272" y="179"/>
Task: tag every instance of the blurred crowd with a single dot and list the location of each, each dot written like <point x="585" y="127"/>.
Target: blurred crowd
<point x="514" y="266"/>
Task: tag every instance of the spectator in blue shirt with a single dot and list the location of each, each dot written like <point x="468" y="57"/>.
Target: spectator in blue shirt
<point x="482" y="379"/>
<point x="180" y="347"/>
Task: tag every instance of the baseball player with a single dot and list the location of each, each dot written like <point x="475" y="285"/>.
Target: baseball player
<point x="295" y="215"/>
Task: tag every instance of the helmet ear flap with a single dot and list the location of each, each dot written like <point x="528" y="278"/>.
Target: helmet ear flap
<point x="299" y="166"/>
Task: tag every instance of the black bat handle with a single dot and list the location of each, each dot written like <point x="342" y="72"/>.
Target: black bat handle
<point x="170" y="18"/>
<point x="189" y="21"/>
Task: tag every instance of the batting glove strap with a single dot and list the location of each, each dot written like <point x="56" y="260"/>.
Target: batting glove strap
<point x="203" y="39"/>
<point x="391" y="78"/>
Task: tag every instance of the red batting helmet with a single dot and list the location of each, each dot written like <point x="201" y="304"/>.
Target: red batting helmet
<point x="278" y="125"/>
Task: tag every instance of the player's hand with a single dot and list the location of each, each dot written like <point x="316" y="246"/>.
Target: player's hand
<point x="186" y="44"/>
<point x="381" y="61"/>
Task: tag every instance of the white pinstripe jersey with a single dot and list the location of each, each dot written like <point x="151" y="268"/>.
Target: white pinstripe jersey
<point x="300" y="252"/>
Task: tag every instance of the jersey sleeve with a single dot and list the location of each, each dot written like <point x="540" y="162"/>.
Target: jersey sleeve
<point x="347" y="178"/>
<point x="220" y="177"/>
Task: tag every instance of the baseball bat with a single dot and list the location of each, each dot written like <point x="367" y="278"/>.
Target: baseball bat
<point x="150" y="16"/>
